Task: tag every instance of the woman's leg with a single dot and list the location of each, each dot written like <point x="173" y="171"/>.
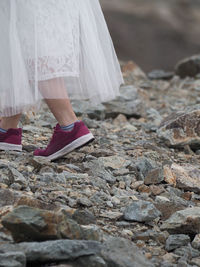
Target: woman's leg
<point x="62" y="111"/>
<point x="10" y="122"/>
<point x="55" y="94"/>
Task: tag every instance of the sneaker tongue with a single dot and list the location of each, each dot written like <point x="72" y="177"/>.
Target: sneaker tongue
<point x="57" y="126"/>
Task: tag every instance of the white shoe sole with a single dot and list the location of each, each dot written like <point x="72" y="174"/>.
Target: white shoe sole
<point x="73" y="145"/>
<point x="6" y="146"/>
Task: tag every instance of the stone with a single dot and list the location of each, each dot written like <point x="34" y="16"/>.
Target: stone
<point x="169" y="176"/>
<point x="113" y="215"/>
<point x="155" y="176"/>
<point x="120" y="119"/>
<point x="120" y="252"/>
<point x="51" y="178"/>
<point x="55" y="250"/>
<point x="161" y="199"/>
<point x="39" y="162"/>
<point x="132" y="71"/>
<point x="141" y="211"/>
<point x="143" y="166"/>
<point x="82" y="107"/>
<point x="35" y="203"/>
<point x="12" y="259"/>
<point x="90" y="261"/>
<point x="196" y="242"/>
<point x="90" y="123"/>
<point x="148" y="235"/>
<point x="156" y="189"/>
<point x="188" y="67"/>
<point x="83" y="201"/>
<point x="176" y="241"/>
<point x="8" y="197"/>
<point x="187" y="252"/>
<point x="84" y="217"/>
<point x="98" y="169"/>
<point x="195" y="261"/>
<point x="181" y="128"/>
<point x="115" y="200"/>
<point x="185" y="221"/>
<point x="30" y="224"/>
<point x="154" y="116"/>
<point x="187" y="177"/>
<point x="160" y="75"/>
<point x="5" y="238"/>
<point x="170" y="258"/>
<point x="130" y="103"/>
<point x="17" y="177"/>
<point x="91" y="232"/>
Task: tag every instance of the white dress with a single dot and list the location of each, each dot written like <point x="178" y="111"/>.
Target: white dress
<point x="55" y="49"/>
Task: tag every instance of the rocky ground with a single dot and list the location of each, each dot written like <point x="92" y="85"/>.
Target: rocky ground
<point x="130" y="198"/>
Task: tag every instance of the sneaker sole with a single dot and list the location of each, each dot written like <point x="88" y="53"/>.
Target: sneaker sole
<point x="81" y="141"/>
<point x="6" y="146"/>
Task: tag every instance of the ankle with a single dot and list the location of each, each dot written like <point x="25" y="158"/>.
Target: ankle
<point x="67" y="122"/>
<point x="6" y="126"/>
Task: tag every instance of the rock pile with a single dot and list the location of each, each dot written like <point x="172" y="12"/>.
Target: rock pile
<point x="130" y="198"/>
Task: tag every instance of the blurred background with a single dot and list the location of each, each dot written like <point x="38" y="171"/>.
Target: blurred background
<point x="155" y="34"/>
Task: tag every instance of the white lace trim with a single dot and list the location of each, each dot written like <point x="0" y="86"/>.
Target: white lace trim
<point x="49" y="32"/>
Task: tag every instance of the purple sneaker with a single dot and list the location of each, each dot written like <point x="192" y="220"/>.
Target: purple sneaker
<point x="63" y="142"/>
<point x="11" y="140"/>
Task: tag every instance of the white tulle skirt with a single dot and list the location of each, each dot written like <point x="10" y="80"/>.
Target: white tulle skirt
<point x="55" y="49"/>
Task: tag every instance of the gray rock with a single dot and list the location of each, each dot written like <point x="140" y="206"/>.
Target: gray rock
<point x="31" y="224"/>
<point x="90" y="261"/>
<point x="188" y="67"/>
<point x="83" y="201"/>
<point x="154" y="176"/>
<point x="55" y="250"/>
<point x="187" y="252"/>
<point x="159" y="237"/>
<point x="160" y="75"/>
<point x="97" y="168"/>
<point x="154" y="116"/>
<point x="33" y="129"/>
<point x="75" y="176"/>
<point x="168" y="264"/>
<point x="119" y="252"/>
<point x="144" y="166"/>
<point x="24" y="222"/>
<point x="100" y="198"/>
<point x="84" y="217"/>
<point x="17" y="177"/>
<point x="91" y="123"/>
<point x="8" y="197"/>
<point x="196" y="242"/>
<point x="141" y="211"/>
<point x="12" y="259"/>
<point x="130" y="103"/>
<point x="181" y="128"/>
<point x="195" y="262"/>
<point x="40" y="162"/>
<point x="176" y="241"/>
<point x="93" y="111"/>
<point x="52" y="178"/>
<point x="185" y="221"/>
<point x="187" y="177"/>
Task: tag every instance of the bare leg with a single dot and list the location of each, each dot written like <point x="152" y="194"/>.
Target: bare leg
<point x="62" y="111"/>
<point x="55" y="95"/>
<point x="10" y="122"/>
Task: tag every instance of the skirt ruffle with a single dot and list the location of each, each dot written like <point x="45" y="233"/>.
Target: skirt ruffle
<point x="55" y="49"/>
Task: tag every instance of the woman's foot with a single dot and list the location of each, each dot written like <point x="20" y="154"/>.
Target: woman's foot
<point x="63" y="142"/>
<point x="11" y="139"/>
